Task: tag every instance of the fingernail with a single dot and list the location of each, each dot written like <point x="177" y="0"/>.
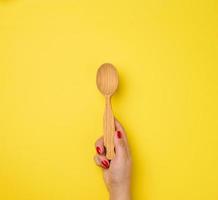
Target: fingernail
<point x="119" y="134"/>
<point x="105" y="164"/>
<point x="98" y="149"/>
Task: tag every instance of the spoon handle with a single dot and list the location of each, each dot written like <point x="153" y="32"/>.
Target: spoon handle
<point x="109" y="128"/>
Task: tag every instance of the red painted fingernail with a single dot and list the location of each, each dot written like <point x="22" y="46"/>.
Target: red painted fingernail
<point x="105" y="164"/>
<point x="98" y="149"/>
<point x="119" y="134"/>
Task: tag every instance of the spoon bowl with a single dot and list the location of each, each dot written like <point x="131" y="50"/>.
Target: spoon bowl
<point x="107" y="79"/>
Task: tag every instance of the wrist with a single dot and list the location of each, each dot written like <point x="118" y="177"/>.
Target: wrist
<point x="122" y="192"/>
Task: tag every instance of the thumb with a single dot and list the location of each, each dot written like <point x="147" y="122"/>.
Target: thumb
<point x="120" y="144"/>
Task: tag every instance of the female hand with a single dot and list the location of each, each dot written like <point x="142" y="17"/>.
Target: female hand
<point x="117" y="172"/>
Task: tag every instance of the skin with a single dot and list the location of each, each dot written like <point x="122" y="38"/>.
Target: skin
<point x="117" y="172"/>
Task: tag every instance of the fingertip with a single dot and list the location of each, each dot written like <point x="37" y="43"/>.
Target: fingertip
<point x="102" y="161"/>
<point x="118" y="138"/>
<point x="119" y="142"/>
<point x="119" y="134"/>
<point x="99" y="146"/>
<point x="105" y="164"/>
<point x="98" y="150"/>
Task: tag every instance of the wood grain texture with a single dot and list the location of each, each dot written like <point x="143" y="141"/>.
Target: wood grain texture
<point x="107" y="83"/>
<point x="109" y="129"/>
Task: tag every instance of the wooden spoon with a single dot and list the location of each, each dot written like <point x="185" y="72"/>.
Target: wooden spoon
<point x="107" y="83"/>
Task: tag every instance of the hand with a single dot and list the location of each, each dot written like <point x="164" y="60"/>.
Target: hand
<point x="117" y="172"/>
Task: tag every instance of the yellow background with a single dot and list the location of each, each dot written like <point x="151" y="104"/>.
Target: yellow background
<point x="51" y="111"/>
